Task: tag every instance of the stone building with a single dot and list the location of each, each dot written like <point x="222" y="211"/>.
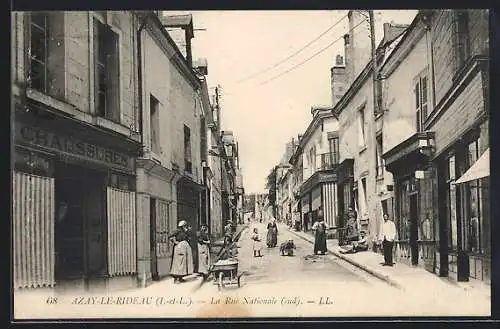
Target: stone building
<point x="76" y="132"/>
<point x="442" y="209"/>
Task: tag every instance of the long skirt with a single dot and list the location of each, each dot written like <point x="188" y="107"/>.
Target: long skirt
<point x="182" y="260"/>
<point x="203" y="258"/>
<point x="272" y="238"/>
<point x="320" y="242"/>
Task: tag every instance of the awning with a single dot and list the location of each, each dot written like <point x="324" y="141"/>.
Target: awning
<point x="480" y="169"/>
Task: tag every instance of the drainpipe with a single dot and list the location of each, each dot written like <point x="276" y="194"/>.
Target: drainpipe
<point x="139" y="76"/>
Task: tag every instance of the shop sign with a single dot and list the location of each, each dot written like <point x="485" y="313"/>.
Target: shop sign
<point x="70" y="146"/>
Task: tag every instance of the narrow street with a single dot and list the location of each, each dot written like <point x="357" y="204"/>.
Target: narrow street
<point x="307" y="285"/>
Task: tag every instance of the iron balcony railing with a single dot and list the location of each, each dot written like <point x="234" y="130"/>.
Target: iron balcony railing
<point x="327" y="161"/>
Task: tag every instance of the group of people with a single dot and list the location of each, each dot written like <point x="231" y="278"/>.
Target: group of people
<point x="286" y="248"/>
<point x="182" y="262"/>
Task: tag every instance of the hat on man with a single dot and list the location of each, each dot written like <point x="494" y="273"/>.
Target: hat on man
<point x="182" y="223"/>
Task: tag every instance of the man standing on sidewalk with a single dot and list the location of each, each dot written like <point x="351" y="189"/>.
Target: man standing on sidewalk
<point x="388" y="237"/>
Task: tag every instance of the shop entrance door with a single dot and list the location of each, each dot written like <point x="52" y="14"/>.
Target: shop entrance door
<point x="81" y="229"/>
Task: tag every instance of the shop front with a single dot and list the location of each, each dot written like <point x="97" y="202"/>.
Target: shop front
<point x="345" y="193"/>
<point x="414" y="189"/>
<point x="155" y="218"/>
<point x="73" y="202"/>
<point x="465" y="246"/>
<point x="189" y="209"/>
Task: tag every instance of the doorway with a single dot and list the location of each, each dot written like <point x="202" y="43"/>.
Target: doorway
<point x="81" y="226"/>
<point x="414" y="228"/>
<point x="152" y="239"/>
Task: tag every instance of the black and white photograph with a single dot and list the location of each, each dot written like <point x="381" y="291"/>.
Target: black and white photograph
<point x="212" y="164"/>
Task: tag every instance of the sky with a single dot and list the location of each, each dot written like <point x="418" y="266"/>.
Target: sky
<point x="265" y="111"/>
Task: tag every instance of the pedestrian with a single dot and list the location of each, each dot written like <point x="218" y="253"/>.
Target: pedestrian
<point x="203" y="251"/>
<point x="357" y="246"/>
<point x="272" y="234"/>
<point x="319" y="229"/>
<point x="182" y="257"/>
<point x="388" y="237"/>
<point x="257" y="243"/>
<point x="352" y="226"/>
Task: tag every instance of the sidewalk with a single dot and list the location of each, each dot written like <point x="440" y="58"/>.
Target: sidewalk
<point x="401" y="275"/>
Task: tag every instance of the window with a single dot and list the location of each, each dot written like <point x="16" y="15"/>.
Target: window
<point x="451" y="202"/>
<point x="462" y="37"/>
<point x="476" y="217"/>
<point x="122" y="182"/>
<point x="106" y="71"/>
<point x="333" y="147"/>
<point x="403" y="226"/>
<point x="160" y="214"/>
<point x="154" y="110"/>
<point x="361" y="130"/>
<point x="38" y="52"/>
<point x="379" y="162"/>
<point x="421" y="101"/>
<point x="188" y="165"/>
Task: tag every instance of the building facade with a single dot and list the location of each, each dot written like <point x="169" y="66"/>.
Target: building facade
<point x="364" y="185"/>
<point x="444" y="220"/>
<point x="75" y="101"/>
<point x="311" y="189"/>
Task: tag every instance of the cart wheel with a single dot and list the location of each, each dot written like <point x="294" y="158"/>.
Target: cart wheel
<point x="221" y="280"/>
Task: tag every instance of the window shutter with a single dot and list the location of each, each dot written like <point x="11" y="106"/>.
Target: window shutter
<point x="96" y="66"/>
<point x="424" y="98"/>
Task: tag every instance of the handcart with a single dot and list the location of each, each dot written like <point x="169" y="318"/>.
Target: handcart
<point x="226" y="272"/>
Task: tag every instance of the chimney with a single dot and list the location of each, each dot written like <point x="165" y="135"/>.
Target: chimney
<point x="357" y="45"/>
<point x="184" y="22"/>
<point x="393" y="31"/>
<point x="338" y="81"/>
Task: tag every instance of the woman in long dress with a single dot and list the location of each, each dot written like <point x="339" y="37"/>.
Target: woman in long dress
<point x="182" y="255"/>
<point x="203" y="251"/>
<point x="319" y="237"/>
<point x="272" y="234"/>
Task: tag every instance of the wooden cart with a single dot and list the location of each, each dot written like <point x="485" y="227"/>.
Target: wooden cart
<point x="225" y="273"/>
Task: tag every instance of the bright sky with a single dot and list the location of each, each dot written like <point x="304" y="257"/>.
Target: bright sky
<point x="265" y="116"/>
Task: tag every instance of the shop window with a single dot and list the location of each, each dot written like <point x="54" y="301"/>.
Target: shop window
<point x="451" y="202"/>
<point x="162" y="230"/>
<point x="421" y="101"/>
<point x="106" y="71"/>
<point x="38" y="51"/>
<point x="188" y="165"/>
<point x="33" y="163"/>
<point x="122" y="182"/>
<point x="379" y="162"/>
<point x="403" y="226"/>
<point x="476" y="217"/>
<point x="154" y="111"/>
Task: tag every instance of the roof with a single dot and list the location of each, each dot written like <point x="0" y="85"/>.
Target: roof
<point x="177" y="20"/>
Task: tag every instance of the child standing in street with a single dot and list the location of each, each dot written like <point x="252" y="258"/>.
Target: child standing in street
<point x="257" y="244"/>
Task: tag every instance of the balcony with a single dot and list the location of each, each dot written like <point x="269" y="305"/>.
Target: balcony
<point x="327" y="161"/>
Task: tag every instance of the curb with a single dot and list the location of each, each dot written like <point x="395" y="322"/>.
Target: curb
<point x="359" y="265"/>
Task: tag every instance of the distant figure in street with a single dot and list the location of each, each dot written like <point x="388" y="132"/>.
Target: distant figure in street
<point x="287" y="248"/>
<point x="388" y="237"/>
<point x="182" y="257"/>
<point x="352" y="225"/>
<point x="357" y="246"/>
<point x="203" y="251"/>
<point x="306" y="222"/>
<point x="257" y="243"/>
<point x="319" y="229"/>
<point x="272" y="234"/>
